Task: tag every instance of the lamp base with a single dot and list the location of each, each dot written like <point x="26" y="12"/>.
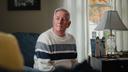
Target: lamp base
<point x="111" y="46"/>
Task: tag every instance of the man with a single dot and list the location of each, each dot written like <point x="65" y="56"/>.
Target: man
<point x="56" y="47"/>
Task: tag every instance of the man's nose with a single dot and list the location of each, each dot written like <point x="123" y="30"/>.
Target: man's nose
<point x="60" y="21"/>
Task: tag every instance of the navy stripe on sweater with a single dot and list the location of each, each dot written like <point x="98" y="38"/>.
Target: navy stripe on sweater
<point x="56" y="56"/>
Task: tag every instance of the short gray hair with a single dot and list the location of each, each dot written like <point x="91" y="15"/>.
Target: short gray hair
<point x="64" y="10"/>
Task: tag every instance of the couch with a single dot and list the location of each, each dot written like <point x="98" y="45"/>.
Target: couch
<point x="27" y="43"/>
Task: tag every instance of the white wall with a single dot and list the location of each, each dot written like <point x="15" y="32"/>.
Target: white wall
<point x="28" y="21"/>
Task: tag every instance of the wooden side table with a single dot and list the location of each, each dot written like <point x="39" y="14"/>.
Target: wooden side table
<point x="109" y="64"/>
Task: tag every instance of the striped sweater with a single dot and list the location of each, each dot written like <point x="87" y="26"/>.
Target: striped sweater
<point x="52" y="51"/>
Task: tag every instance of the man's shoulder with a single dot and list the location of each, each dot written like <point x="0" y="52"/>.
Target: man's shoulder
<point x="70" y="35"/>
<point x="46" y="33"/>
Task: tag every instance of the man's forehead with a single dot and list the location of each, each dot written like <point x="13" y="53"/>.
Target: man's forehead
<point x="59" y="14"/>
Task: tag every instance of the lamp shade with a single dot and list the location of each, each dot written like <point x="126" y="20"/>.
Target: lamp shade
<point x="112" y="21"/>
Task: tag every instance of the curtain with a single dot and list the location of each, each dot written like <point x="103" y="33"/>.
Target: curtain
<point x="79" y="25"/>
<point x="122" y="36"/>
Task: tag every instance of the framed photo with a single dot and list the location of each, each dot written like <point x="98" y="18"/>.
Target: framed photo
<point x="24" y="4"/>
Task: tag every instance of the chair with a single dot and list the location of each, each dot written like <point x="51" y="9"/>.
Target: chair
<point x="10" y="55"/>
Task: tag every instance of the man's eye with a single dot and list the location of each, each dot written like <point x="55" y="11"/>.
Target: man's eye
<point x="64" y="19"/>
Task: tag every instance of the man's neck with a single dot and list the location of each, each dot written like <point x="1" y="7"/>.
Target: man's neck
<point x="61" y="34"/>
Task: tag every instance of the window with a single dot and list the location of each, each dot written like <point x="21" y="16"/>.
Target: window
<point x="96" y="9"/>
<point x="82" y="26"/>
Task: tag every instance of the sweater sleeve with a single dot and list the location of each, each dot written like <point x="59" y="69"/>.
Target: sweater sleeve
<point x="43" y="65"/>
<point x="42" y="59"/>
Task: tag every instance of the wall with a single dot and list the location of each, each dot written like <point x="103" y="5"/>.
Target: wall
<point x="27" y="21"/>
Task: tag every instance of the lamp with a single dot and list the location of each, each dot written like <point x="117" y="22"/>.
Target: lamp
<point x="111" y="21"/>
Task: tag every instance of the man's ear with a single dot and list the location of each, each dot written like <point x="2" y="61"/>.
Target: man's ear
<point x="68" y="24"/>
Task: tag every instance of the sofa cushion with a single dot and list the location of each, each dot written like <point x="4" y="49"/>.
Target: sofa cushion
<point x="27" y="43"/>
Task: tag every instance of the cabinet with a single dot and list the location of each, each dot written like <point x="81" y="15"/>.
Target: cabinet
<point x="109" y="65"/>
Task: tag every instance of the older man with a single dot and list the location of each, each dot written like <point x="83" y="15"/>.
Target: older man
<point x="56" y="47"/>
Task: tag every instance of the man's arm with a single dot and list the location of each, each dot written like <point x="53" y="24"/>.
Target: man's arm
<point x="43" y="64"/>
<point x="42" y="60"/>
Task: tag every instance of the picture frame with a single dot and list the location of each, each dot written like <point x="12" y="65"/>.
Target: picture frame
<point x="24" y="5"/>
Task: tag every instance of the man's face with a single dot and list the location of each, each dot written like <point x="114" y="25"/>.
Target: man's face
<point x="60" y="22"/>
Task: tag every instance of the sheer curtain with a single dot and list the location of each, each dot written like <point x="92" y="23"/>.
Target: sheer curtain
<point x="79" y="25"/>
<point x="122" y="36"/>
